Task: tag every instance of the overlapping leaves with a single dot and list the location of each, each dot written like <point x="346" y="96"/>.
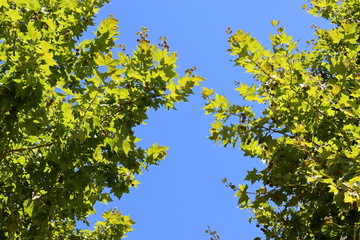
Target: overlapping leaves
<point x="307" y="134"/>
<point x="68" y="109"/>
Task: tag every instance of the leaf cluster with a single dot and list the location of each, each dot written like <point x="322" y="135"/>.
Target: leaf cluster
<point x="68" y="110"/>
<point x="308" y="133"/>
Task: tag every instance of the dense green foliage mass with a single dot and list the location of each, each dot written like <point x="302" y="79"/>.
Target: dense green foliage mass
<point x="67" y="112"/>
<point x="308" y="133"/>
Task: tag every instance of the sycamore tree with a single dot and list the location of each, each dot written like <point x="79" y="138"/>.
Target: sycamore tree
<point x="68" y="110"/>
<point x="308" y="133"/>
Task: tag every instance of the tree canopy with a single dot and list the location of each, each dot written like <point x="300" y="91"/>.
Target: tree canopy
<point x="308" y="133"/>
<point x="68" y="108"/>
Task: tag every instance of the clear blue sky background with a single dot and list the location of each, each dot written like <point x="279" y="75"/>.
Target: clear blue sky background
<point x="179" y="198"/>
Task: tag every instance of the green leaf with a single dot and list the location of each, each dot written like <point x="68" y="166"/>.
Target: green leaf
<point x="336" y="89"/>
<point x="29" y="206"/>
<point x="242" y="194"/>
<point x="253" y="176"/>
<point x="103" y="60"/>
<point x="348" y="198"/>
<point x="13" y="14"/>
<point x="32" y="31"/>
<point x="206" y="92"/>
<point x="126" y="145"/>
<point x="275" y="23"/>
<point x="4" y="3"/>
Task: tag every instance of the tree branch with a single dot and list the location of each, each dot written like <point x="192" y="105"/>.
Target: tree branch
<point x="2" y="155"/>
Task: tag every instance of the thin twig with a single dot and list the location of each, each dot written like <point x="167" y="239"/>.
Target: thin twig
<point x="25" y="149"/>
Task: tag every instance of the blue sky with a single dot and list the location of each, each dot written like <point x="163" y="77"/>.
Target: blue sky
<point x="179" y="198"/>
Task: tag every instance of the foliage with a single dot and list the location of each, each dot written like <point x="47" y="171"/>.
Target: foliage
<point x="308" y="133"/>
<point x="68" y="108"/>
